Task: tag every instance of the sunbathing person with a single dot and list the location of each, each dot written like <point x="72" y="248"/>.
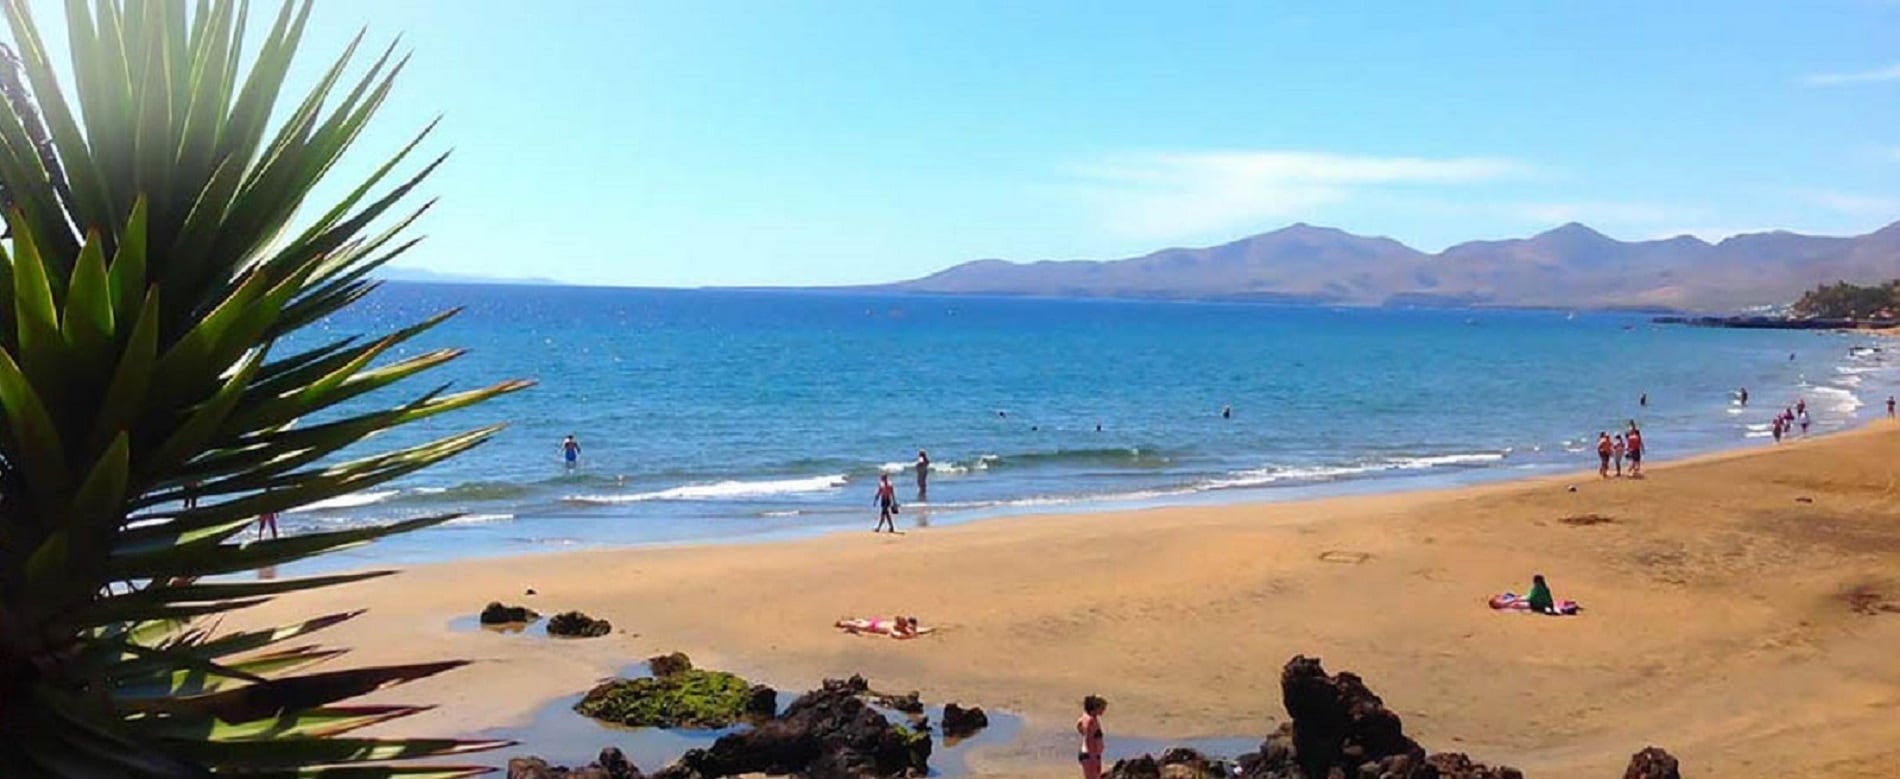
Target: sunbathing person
<point x="895" y="627"/>
<point x="1539" y="596"/>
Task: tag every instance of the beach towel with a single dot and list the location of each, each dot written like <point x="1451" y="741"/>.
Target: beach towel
<point x="1511" y="601"/>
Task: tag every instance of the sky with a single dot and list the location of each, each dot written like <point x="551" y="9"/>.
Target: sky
<point x="773" y="142"/>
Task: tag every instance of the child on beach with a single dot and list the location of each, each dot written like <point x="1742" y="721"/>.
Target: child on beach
<point x="1089" y="727"/>
<point x="886" y="503"/>
<point x="1604" y="450"/>
<point x="1617" y="450"/>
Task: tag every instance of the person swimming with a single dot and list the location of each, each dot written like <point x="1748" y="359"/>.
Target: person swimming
<point x="1226" y="412"/>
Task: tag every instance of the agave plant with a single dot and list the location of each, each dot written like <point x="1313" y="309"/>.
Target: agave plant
<point x="159" y="249"/>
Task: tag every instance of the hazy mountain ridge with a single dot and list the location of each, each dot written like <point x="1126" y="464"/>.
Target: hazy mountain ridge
<point x="1572" y="266"/>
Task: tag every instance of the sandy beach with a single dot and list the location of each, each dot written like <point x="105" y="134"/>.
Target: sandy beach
<point x="1733" y="616"/>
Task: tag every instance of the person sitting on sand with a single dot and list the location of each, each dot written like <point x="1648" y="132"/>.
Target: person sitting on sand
<point x="1539" y="597"/>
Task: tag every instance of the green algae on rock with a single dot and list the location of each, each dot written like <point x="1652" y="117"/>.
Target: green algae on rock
<point x="684" y="699"/>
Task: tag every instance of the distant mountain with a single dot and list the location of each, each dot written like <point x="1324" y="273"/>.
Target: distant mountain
<point x="1571" y="266"/>
<point x="388" y="273"/>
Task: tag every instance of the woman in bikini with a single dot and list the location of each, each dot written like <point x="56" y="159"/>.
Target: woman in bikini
<point x="1089" y="727"/>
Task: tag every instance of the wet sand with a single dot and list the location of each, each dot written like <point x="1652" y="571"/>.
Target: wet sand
<point x="1735" y="614"/>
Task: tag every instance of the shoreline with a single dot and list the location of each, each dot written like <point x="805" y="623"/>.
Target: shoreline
<point x="1183" y="615"/>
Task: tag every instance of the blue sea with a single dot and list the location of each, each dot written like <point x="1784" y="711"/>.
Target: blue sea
<point x="724" y="415"/>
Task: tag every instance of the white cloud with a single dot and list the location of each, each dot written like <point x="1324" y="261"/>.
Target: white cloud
<point x="1160" y="196"/>
<point x="1858" y="205"/>
<point x="1889" y="73"/>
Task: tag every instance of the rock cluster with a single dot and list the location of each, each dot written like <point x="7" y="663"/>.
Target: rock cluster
<point x="829" y="733"/>
<point x="667" y="665"/>
<point x="684" y="698"/>
<point x="1339" y="728"/>
<point x="610" y="765"/>
<point x="496" y="614"/>
<point x="573" y="624"/>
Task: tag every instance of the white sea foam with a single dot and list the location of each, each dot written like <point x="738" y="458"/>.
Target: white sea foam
<point x="480" y="519"/>
<point x="940" y="466"/>
<point x="352" y="500"/>
<point x="788" y="513"/>
<point x="721" y="490"/>
<point x="1839" y="400"/>
<point x="1273" y="475"/>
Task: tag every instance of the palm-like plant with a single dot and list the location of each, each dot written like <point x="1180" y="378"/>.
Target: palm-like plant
<point x="152" y="266"/>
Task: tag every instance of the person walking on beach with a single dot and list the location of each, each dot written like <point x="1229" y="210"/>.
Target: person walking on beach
<point x="1634" y="443"/>
<point x="886" y="503"/>
<point x="1604" y="450"/>
<point x="267" y="521"/>
<point x="923" y="474"/>
<point x="1778" y="428"/>
<point x="1889" y="406"/>
<point x="571" y="451"/>
<point x="1617" y="450"/>
<point x="1089" y="727"/>
<point x="1804" y="423"/>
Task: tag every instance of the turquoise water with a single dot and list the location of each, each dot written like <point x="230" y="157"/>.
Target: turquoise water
<point x="708" y="415"/>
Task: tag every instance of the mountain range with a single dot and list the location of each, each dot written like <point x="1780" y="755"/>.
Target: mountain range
<point x="1572" y="266"/>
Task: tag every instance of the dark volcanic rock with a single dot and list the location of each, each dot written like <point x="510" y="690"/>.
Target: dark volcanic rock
<point x="1454" y="765"/>
<point x="611" y="765"/>
<point x="959" y="722"/>
<point x="496" y="614"/>
<point x="667" y="665"/>
<point x="908" y="703"/>
<point x="1652" y="763"/>
<point x="761" y="702"/>
<point x="1176" y="763"/>
<point x="829" y="733"/>
<point x="573" y="624"/>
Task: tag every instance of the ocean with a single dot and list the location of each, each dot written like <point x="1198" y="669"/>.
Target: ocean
<point x="728" y="415"/>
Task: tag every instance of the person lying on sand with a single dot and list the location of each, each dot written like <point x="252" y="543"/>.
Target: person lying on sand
<point x="895" y="627"/>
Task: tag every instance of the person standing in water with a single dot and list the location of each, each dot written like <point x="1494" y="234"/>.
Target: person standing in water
<point x="1089" y="727"/>
<point x="923" y="475"/>
<point x="1643" y="401"/>
<point x="886" y="503"/>
<point x="1744" y="396"/>
<point x="1889" y="406"/>
<point x="571" y="451"/>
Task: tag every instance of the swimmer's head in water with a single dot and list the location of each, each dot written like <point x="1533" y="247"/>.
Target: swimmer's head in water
<point x="1094" y="704"/>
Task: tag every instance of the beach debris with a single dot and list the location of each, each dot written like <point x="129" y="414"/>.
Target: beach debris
<point x="1349" y="558"/>
<point x="573" y="624"/>
<point x="1570" y="488"/>
<point x="690" y="698"/>
<point x="1804" y="499"/>
<point x="610" y="765"/>
<point x="829" y="732"/>
<point x="667" y="665"/>
<point x="959" y="722"/>
<point x="1652" y="763"/>
<point x="1585" y="520"/>
<point x="496" y="614"/>
<point x="529" y="593"/>
<point x="1868" y="600"/>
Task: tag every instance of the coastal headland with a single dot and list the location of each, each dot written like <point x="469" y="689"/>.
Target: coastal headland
<point x="1740" y="609"/>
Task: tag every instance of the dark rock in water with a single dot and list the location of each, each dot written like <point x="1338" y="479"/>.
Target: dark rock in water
<point x="829" y="733"/>
<point x="496" y="614"/>
<point x="611" y="765"/>
<point x="959" y="722"/>
<point x="667" y="665"/>
<point x="908" y="703"/>
<point x="1653" y="763"/>
<point x="573" y="624"/>
<point x="1176" y="763"/>
<point x="685" y="699"/>
<point x="761" y="702"/>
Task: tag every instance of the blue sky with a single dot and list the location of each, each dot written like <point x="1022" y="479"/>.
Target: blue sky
<point x="765" y="142"/>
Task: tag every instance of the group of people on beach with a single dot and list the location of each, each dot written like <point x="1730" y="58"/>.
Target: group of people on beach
<point x="1612" y="451"/>
<point x="886" y="495"/>
<point x="1797" y="414"/>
